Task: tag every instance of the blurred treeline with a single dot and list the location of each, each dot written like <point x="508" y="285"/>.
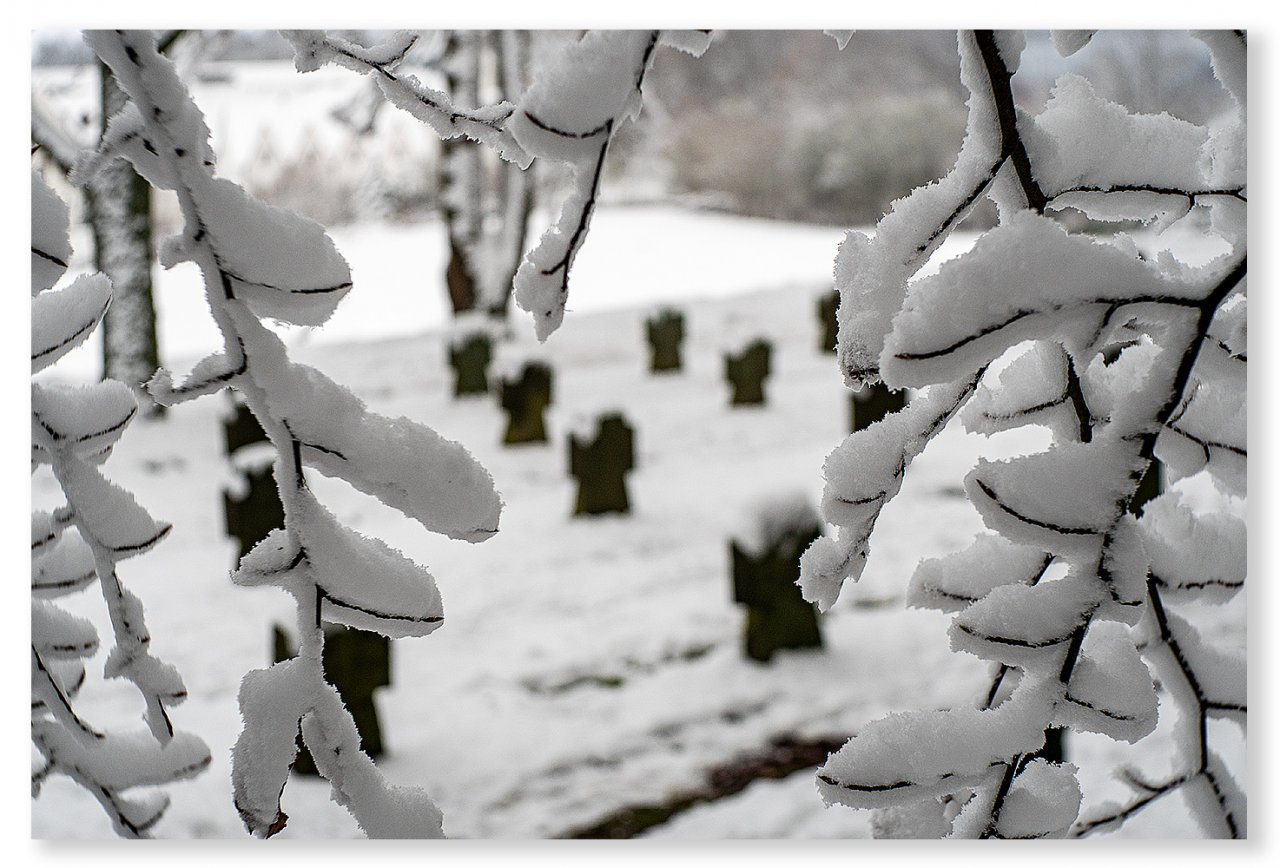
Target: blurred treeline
<point x="770" y="123"/>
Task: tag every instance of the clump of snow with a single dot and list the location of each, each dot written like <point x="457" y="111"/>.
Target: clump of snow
<point x="1111" y="691"/>
<point x="1022" y="280"/>
<point x="910" y="756"/>
<point x="1061" y="500"/>
<point x="1042" y="802"/>
<point x="50" y="235"/>
<point x="1027" y="626"/>
<point x="1068" y="42"/>
<point x="1190" y="553"/>
<point x="952" y="582"/>
<point x="1073" y="143"/>
<point x="1031" y="389"/>
<point x="283" y="265"/>
<point x="62" y="319"/>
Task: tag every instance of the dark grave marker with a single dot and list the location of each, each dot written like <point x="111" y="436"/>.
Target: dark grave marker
<point x="1151" y="487"/>
<point x="242" y="429"/>
<point x="601" y="467"/>
<point x="765" y="582"/>
<point x="828" y="322"/>
<point x="746" y="373"/>
<point x="249" y="518"/>
<point x="872" y="403"/>
<point x="469" y="357"/>
<point x="525" y="400"/>
<point x="665" y="333"/>
<point x="356" y="662"/>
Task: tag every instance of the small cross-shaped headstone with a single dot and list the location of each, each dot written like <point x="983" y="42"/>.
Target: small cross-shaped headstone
<point x="827" y="321"/>
<point x="251" y="517"/>
<point x="525" y="400"/>
<point x="259" y="511"/>
<point x="242" y="429"/>
<point x="765" y="582"/>
<point x="872" y="403"/>
<point x="601" y="467"/>
<point x="665" y="332"/>
<point x="356" y="662"/>
<point x="469" y="357"/>
<point x="746" y="373"/>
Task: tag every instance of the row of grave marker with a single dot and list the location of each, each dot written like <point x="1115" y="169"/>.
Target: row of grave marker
<point x="525" y="398"/>
<point x="357" y="662"/>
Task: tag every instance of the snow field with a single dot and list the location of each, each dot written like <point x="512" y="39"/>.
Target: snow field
<point x="504" y="713"/>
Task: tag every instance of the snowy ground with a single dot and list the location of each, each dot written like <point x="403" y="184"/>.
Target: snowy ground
<point x="501" y="714"/>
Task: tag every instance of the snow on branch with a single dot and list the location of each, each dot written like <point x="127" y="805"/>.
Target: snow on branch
<point x="81" y="543"/>
<point x="1126" y="359"/>
<point x="263" y="262"/>
<point x="570" y="114"/>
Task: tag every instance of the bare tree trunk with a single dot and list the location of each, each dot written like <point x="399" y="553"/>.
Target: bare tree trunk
<point x="120" y="214"/>
<point x="460" y="173"/>
<point x="515" y="187"/>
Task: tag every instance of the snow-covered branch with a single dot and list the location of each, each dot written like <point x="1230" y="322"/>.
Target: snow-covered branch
<point x="73" y="430"/>
<point x="1129" y="360"/>
<point x="570" y="113"/>
<point x="259" y="261"/>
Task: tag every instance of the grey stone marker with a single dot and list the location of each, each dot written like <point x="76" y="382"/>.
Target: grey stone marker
<point x="746" y="373"/>
<point x="765" y="582"/>
<point x="469" y="357"/>
<point x="872" y="403"/>
<point x="665" y="332"/>
<point x="601" y="466"/>
<point x="356" y="662"/>
<point x="525" y="400"/>
<point x="827" y="321"/>
<point x="259" y="511"/>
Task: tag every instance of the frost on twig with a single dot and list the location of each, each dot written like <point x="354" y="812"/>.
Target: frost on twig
<point x="1125" y="359"/>
<point x="73" y="430"/>
<point x="570" y="114"/>
<point x="258" y="262"/>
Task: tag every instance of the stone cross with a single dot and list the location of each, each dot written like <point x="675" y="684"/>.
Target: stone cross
<point x="356" y="662"/>
<point x="827" y="321"/>
<point x="777" y="615"/>
<point x="525" y="400"/>
<point x="469" y="357"/>
<point x="259" y="511"/>
<point x="601" y="467"/>
<point x="872" y="403"/>
<point x="746" y="373"/>
<point x="665" y="333"/>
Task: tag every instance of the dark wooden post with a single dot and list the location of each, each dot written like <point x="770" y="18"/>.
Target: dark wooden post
<point x="356" y="663"/>
<point x="601" y="467"/>
<point x="827" y="321"/>
<point x="469" y="357"/>
<point x="777" y="615"/>
<point x="525" y="400"/>
<point x="746" y="373"/>
<point x="872" y="403"/>
<point x="665" y="333"/>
